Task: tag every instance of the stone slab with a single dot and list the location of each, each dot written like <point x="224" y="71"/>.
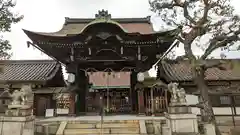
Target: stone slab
<point x="17" y="119"/>
<point x="128" y="118"/>
<point x="142" y="126"/>
<point x="182" y="123"/>
<point x="181" y="116"/>
<point x="124" y="131"/>
<point x="179" y="110"/>
<point x="18" y="111"/>
<point x="61" y="128"/>
<point x="209" y="129"/>
<point x="17" y="125"/>
<point x="157" y="127"/>
<point x="118" y="125"/>
<point x="19" y="106"/>
<point x="85" y="131"/>
<point x="79" y="125"/>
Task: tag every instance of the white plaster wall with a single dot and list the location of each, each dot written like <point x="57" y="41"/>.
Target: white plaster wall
<point x="238" y="110"/>
<point x="191" y="99"/>
<point x="196" y="111"/>
<point x="222" y="110"/>
<point x="216" y="110"/>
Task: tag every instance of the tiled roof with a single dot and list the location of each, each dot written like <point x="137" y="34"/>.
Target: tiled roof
<point x="29" y="70"/>
<point x="182" y="72"/>
<point x="112" y="80"/>
<point x="74" y="26"/>
<point x="50" y="90"/>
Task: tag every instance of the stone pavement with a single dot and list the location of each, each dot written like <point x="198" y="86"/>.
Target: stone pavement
<point x="98" y="118"/>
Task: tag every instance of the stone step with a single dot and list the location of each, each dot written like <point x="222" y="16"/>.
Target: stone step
<point x="85" y="131"/>
<point x="119" y="125"/>
<point x="98" y="131"/>
<point x="105" y="121"/>
<point x="80" y="126"/>
<point x="105" y="125"/>
<point x="124" y="131"/>
<point x="185" y="134"/>
<point x="102" y="134"/>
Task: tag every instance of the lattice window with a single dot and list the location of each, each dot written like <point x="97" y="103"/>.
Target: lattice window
<point x="63" y="102"/>
<point x="225" y="100"/>
<point x="220" y="100"/>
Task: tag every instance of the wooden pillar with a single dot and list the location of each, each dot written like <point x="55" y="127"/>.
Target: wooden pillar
<point x="72" y="104"/>
<point x="134" y="94"/>
<point x="152" y="102"/>
<point x="141" y="106"/>
<point x="97" y="102"/>
<point x="82" y="84"/>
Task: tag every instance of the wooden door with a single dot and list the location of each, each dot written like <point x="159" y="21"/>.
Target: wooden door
<point x="43" y="103"/>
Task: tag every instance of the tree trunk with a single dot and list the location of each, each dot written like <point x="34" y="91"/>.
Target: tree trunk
<point x="207" y="115"/>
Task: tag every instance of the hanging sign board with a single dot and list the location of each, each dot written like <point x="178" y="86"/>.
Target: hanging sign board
<point x="49" y="113"/>
<point x="62" y="110"/>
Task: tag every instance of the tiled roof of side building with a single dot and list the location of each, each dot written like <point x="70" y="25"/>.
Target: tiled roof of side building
<point x="181" y="71"/>
<point x="29" y="70"/>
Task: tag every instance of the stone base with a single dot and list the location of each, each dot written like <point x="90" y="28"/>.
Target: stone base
<point x="182" y="123"/>
<point x="17" y="125"/>
<point x="209" y="129"/>
<point x="179" y="110"/>
<point x="18" y="107"/>
<point x="18" y="110"/>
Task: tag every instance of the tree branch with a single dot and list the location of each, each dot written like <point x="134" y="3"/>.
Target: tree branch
<point x="178" y="3"/>
<point x="205" y="13"/>
<point x="186" y="13"/>
<point x="220" y="41"/>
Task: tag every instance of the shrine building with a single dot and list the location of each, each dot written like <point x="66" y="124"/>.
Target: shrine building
<point x="107" y="60"/>
<point x="109" y="45"/>
<point x="51" y="93"/>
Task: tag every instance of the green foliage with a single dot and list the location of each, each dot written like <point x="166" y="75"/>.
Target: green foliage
<point x="7" y="18"/>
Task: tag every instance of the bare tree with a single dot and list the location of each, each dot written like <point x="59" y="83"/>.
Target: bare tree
<point x="207" y="24"/>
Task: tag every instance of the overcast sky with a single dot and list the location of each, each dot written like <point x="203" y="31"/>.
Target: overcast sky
<point x="48" y="16"/>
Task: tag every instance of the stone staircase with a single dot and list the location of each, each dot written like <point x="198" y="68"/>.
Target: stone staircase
<point x="113" y="127"/>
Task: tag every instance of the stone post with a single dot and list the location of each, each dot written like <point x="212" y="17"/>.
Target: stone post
<point x="209" y="129"/>
<point x="18" y="120"/>
<point x="179" y="117"/>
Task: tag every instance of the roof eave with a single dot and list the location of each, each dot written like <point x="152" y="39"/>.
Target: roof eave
<point x="119" y="20"/>
<point x="22" y="81"/>
<point x="34" y="36"/>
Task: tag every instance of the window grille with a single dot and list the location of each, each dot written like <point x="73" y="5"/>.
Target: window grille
<point x="225" y="100"/>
